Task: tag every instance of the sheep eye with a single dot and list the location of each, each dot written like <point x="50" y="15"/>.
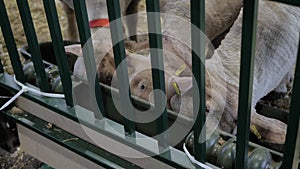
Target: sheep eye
<point x="143" y="86"/>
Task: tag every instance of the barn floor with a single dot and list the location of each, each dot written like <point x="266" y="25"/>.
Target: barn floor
<point x="19" y="159"/>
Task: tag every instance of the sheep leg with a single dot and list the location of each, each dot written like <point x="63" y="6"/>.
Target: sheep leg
<point x="271" y="130"/>
<point x="72" y="32"/>
<point x="131" y="21"/>
<point x="288" y="78"/>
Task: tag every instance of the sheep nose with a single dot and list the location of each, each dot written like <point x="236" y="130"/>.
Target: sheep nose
<point x="109" y="77"/>
<point x="207" y="110"/>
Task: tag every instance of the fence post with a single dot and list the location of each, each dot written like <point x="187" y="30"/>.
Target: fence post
<point x="33" y="44"/>
<point x="198" y="68"/>
<point x="246" y="81"/>
<point x="59" y="51"/>
<point x="157" y="64"/>
<point x="11" y="44"/>
<point x="88" y="55"/>
<point x="292" y="143"/>
<point x="116" y="29"/>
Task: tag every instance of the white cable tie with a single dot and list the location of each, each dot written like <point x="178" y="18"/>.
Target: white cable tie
<point x="52" y="95"/>
<point x="25" y="89"/>
<point x="12" y="99"/>
<point x="192" y="159"/>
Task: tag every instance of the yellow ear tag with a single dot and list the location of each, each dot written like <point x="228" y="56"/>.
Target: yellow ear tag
<point x="255" y="131"/>
<point x="175" y="86"/>
<point x="180" y="70"/>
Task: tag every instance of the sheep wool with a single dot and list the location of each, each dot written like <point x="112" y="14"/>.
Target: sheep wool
<point x="278" y="30"/>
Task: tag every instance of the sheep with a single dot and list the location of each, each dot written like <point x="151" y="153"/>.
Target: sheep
<point x="275" y="56"/>
<point x="218" y="16"/>
<point x="101" y="34"/>
<point x="215" y="25"/>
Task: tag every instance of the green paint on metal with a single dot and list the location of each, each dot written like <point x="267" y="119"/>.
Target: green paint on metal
<point x="116" y="29"/>
<point x="290" y="2"/>
<point x="58" y="105"/>
<point x="1" y="68"/>
<point x="88" y="55"/>
<point x="198" y="68"/>
<point x="246" y="81"/>
<point x="10" y="44"/>
<point x="45" y="166"/>
<point x="59" y="51"/>
<point x="292" y="144"/>
<point x="33" y="45"/>
<point x="157" y="64"/>
<point x="71" y="142"/>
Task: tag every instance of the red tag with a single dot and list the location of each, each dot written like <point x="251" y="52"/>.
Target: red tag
<point x="102" y="22"/>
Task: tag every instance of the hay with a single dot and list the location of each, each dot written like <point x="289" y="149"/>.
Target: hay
<point x="40" y="24"/>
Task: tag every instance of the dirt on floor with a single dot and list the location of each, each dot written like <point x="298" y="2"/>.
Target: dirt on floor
<point x="18" y="160"/>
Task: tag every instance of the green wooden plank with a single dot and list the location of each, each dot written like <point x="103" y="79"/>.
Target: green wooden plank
<point x="198" y="68"/>
<point x="59" y="51"/>
<point x="88" y="55"/>
<point x="116" y="29"/>
<point x="246" y="81"/>
<point x="33" y="45"/>
<point x="292" y="144"/>
<point x="157" y="64"/>
<point x="11" y="44"/>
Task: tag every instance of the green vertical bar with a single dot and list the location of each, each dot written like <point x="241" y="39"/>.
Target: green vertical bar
<point x="157" y="64"/>
<point x="290" y="2"/>
<point x="246" y="81"/>
<point x="10" y="44"/>
<point x="116" y="29"/>
<point x="198" y="68"/>
<point x="33" y="45"/>
<point x="1" y="68"/>
<point x="292" y="143"/>
<point x="88" y="55"/>
<point x="59" y="51"/>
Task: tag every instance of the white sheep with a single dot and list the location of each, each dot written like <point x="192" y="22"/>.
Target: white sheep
<point x="215" y="25"/>
<point x="276" y="50"/>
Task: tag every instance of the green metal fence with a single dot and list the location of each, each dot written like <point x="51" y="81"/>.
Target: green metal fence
<point x="291" y="153"/>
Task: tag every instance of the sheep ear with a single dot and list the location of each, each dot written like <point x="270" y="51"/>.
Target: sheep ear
<point x="74" y="49"/>
<point x="179" y="85"/>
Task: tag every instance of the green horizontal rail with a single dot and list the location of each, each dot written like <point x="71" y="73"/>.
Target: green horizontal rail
<point x="11" y="44"/>
<point x="88" y="55"/>
<point x="157" y="64"/>
<point x="59" y="106"/>
<point x="292" y="144"/>
<point x="246" y="81"/>
<point x="69" y="141"/>
<point x="59" y="51"/>
<point x="33" y="45"/>
<point x="116" y="29"/>
<point x="198" y="69"/>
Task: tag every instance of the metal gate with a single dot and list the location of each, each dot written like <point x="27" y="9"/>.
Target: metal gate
<point x="65" y="108"/>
